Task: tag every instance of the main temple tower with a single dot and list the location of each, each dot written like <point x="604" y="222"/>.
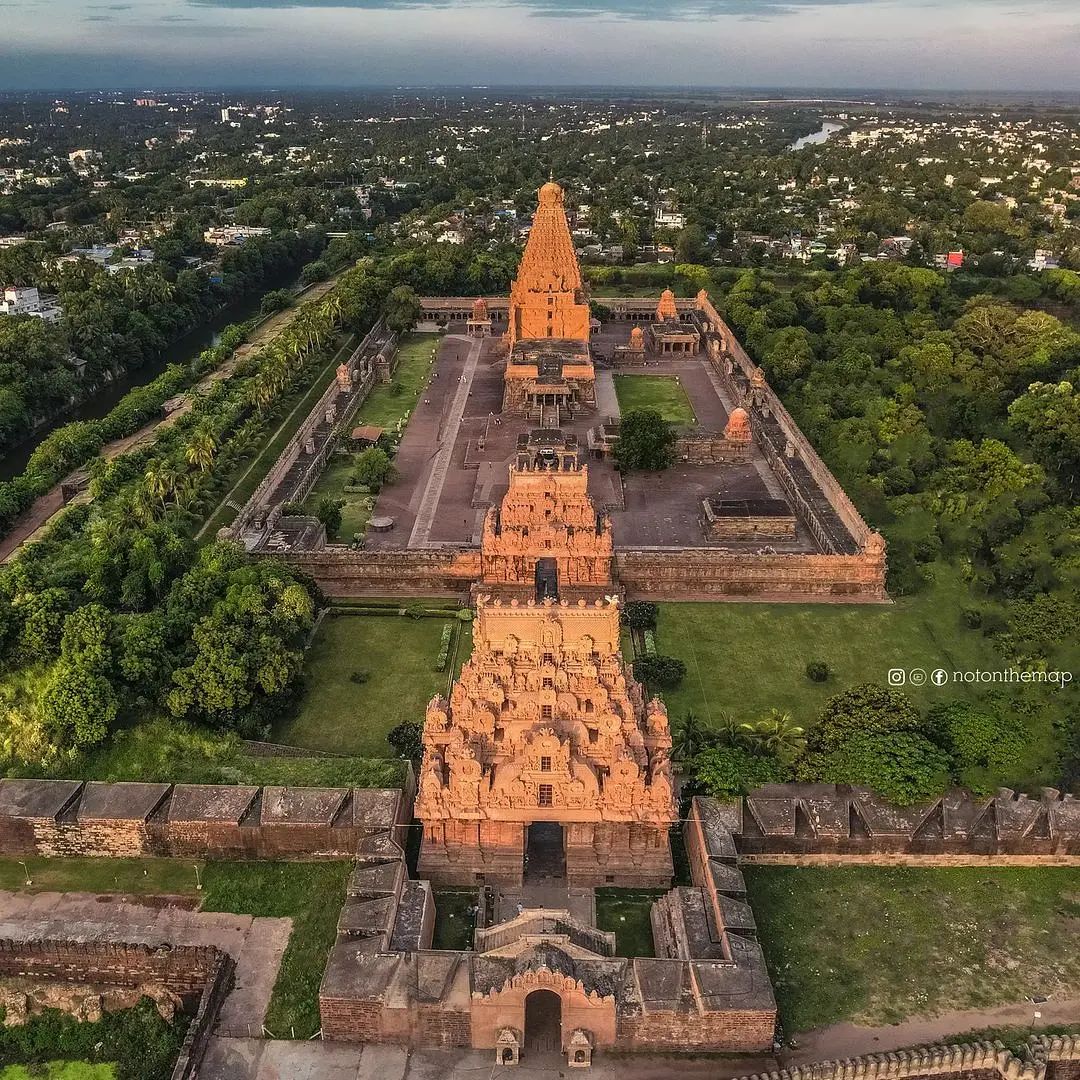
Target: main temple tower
<point x="547" y="298"/>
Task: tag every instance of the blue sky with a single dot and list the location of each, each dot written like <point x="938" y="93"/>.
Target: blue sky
<point x="918" y="44"/>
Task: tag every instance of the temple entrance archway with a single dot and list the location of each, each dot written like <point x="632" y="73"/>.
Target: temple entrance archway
<point x="545" y="853"/>
<point x="543" y="1023"/>
<point x="547" y="579"/>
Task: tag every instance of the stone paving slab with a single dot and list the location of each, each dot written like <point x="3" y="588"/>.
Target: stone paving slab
<point x="256" y="944"/>
<point x="253" y="1059"/>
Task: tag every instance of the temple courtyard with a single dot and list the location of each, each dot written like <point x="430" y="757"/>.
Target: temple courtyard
<point x="452" y="462"/>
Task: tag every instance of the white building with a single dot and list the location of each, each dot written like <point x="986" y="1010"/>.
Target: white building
<point x="667" y="218"/>
<point x="26" y="300"/>
<point x="228" y="235"/>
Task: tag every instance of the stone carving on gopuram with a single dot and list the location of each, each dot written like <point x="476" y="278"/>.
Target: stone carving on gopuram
<point x="546" y="722"/>
<point x="546" y="520"/>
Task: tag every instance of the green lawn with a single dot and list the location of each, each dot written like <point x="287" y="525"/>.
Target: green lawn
<point x="878" y="945"/>
<point x="358" y="506"/>
<point x="455" y="918"/>
<point x="394" y="401"/>
<point x="661" y="392"/>
<point x="143" y="876"/>
<point x="59" y="1070"/>
<point x="312" y="895"/>
<point x="168" y="751"/>
<point x="395" y="657"/>
<point x="729" y="648"/>
<point x="626" y="913"/>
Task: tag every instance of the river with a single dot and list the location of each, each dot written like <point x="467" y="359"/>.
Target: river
<point x="827" y="132"/>
<point x="183" y="350"/>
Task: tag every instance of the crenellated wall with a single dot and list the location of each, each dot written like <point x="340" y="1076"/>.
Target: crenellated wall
<point x="58" y="818"/>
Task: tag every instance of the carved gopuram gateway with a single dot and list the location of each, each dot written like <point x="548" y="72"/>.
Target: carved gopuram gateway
<point x="546" y="754"/>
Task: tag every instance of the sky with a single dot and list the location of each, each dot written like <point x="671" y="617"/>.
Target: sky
<point x="1003" y="45"/>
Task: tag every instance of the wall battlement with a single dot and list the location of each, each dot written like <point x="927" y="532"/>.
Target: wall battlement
<point x="56" y="818"/>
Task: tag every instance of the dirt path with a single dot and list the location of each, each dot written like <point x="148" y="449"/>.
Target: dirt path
<point x="46" y="506"/>
<point x="839" y="1041"/>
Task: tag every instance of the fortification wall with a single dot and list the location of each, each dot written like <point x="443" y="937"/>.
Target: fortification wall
<point x="830" y="824"/>
<point x="1043" y="1058"/>
<point x="56" y="818"/>
<point x="695" y="573"/>
<point x="199" y="974"/>
<point x="341" y="571"/>
<point x="826" y="482"/>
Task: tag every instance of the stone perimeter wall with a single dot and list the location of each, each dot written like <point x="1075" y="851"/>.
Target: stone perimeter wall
<point x="186" y="970"/>
<point x="1043" y="1058"/>
<point x="658" y="573"/>
<point x="58" y="818"/>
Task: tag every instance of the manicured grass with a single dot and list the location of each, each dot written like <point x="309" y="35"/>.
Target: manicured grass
<point x="455" y="918"/>
<point x="59" y="1070"/>
<point x="626" y="912"/>
<point x="726" y="647"/>
<point x="878" y="945"/>
<point x="661" y="392"/>
<point x="168" y="751"/>
<point x="397" y="656"/>
<point x="356" y="512"/>
<point x="141" y="876"/>
<point x="312" y="895"/>
<point x="394" y="401"/>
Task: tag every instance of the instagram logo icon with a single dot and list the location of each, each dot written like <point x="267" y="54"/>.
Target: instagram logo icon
<point x="897" y="676"/>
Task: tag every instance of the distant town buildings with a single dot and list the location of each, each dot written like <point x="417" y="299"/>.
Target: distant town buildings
<point x="26" y="300"/>
<point x="231" y="235"/>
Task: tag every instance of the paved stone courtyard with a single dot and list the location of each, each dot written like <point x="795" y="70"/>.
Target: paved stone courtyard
<point x="254" y="1059"/>
<point x="255" y="944"/>
<point x="452" y="462"/>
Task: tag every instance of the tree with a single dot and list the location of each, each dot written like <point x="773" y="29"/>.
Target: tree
<point x="775" y="734"/>
<point x="640" y="614"/>
<point x="406" y="739"/>
<point x="985" y="745"/>
<point x="201" y="448"/>
<point x="1049" y="416"/>
<point x="688" y="737"/>
<point x="866" y="709"/>
<point x="661" y="672"/>
<point x="727" y="771"/>
<point x="646" y="441"/>
<point x="77" y="706"/>
<point x="402" y="309"/>
<point x="901" y="766"/>
<point x="329" y="513"/>
<point x="373" y="467"/>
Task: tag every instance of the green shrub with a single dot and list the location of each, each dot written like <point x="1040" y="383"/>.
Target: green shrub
<point x="817" y="671"/>
<point x="660" y="672"/>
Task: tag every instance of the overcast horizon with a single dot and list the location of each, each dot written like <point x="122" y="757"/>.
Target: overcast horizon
<point x="903" y="45"/>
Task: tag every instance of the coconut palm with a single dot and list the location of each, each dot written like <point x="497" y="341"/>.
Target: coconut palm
<point x="688" y="737"/>
<point x="201" y="448"/>
<point x="776" y="734"/>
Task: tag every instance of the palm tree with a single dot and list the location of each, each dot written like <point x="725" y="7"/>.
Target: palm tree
<point x="201" y="448"/>
<point x="688" y="738"/>
<point x="776" y="734"/>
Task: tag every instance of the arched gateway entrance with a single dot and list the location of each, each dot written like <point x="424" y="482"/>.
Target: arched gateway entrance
<point x="543" y="1023"/>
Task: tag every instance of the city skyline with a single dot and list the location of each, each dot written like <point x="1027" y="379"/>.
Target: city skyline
<point x="971" y="44"/>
